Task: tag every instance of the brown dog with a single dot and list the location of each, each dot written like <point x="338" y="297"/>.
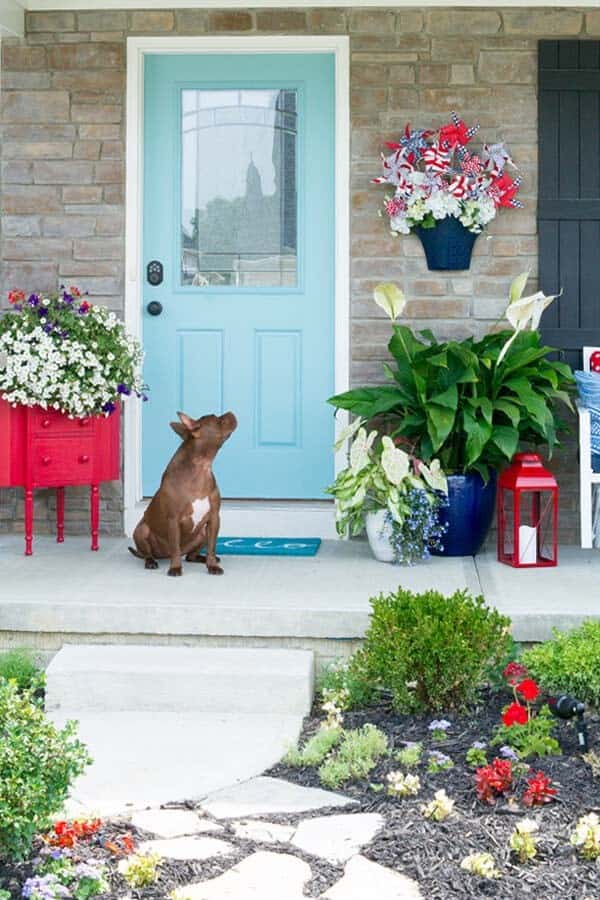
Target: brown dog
<point x="183" y="515"/>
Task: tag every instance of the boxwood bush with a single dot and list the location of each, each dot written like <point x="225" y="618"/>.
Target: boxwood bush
<point x="570" y="663"/>
<point x="20" y="666"/>
<point x="430" y="651"/>
<point x="38" y="764"/>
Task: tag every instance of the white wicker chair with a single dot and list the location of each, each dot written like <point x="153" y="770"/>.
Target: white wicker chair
<point x="589" y="496"/>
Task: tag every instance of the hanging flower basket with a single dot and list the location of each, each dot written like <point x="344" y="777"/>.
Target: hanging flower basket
<point x="448" y="245"/>
<point x="445" y="193"/>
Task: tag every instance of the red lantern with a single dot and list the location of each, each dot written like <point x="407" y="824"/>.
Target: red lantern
<point x="527" y="514"/>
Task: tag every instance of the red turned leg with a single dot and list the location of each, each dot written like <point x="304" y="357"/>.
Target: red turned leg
<point x="60" y="515"/>
<point x="95" y="514"/>
<point x="28" y="521"/>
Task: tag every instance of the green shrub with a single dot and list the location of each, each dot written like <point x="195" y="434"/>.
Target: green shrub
<point x="569" y="663"/>
<point x="430" y="651"/>
<point x="19" y="666"/>
<point x="315" y="750"/>
<point x="38" y="763"/>
<point x="341" y="676"/>
<point x="356" y="756"/>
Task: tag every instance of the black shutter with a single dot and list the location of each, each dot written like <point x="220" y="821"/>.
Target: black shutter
<point x="569" y="193"/>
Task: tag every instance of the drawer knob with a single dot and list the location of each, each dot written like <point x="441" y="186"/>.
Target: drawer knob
<point x="84" y="458"/>
<point x="46" y="460"/>
<point x="46" y="423"/>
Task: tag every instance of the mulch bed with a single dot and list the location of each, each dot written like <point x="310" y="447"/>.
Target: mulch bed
<point x="431" y="852"/>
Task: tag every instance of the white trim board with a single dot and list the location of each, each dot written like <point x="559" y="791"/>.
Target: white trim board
<point x="137" y="47"/>
<point x="12" y="18"/>
<point x="40" y="5"/>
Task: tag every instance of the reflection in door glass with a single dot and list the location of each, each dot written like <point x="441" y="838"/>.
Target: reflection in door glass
<point x="238" y="188"/>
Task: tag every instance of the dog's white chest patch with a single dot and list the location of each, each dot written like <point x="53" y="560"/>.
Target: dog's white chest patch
<point x="199" y="510"/>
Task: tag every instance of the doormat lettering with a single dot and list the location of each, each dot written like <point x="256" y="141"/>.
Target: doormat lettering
<point x="258" y="546"/>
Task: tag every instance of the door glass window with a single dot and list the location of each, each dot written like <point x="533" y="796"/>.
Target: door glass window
<point x="239" y="220"/>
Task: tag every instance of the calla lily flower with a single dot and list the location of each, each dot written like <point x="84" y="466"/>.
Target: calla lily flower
<point x="359" y="452"/>
<point x="394" y="461"/>
<point x="390" y="299"/>
<point x="348" y="432"/>
<point x="434" y="476"/>
<point x="523" y="312"/>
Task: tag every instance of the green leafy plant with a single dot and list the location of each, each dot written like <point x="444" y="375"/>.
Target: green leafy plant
<point x="141" y="869"/>
<point x="476" y="755"/>
<point x="38" y="764"/>
<point x="357" y="754"/>
<point x="569" y="663"/>
<point x="530" y="738"/>
<point x="430" y="651"/>
<point x="585" y="837"/>
<point x="340" y="678"/>
<point x="19" y="666"/>
<point x="315" y="750"/>
<point x="410" y="756"/>
<point x="469" y="403"/>
<point x="523" y="841"/>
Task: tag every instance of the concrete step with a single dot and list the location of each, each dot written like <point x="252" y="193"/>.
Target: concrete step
<point x="117" y="678"/>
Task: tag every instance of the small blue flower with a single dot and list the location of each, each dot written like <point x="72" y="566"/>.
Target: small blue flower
<point x="508" y="753"/>
<point x="440" y="725"/>
<point x="478" y="745"/>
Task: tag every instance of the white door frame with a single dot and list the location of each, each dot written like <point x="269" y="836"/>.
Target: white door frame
<point x="137" y="48"/>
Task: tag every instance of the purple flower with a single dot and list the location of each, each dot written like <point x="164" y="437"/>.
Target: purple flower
<point x="123" y="389"/>
<point x="34" y="300"/>
<point x="67" y="297"/>
<point x="440" y="758"/>
<point x="109" y="408"/>
<point x="440" y="725"/>
<point x="508" y="752"/>
<point x="48" y="328"/>
<point x="478" y="745"/>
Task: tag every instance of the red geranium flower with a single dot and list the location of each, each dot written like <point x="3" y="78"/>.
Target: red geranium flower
<point x="515" y="714"/>
<point x="514" y="672"/>
<point x="529" y="690"/>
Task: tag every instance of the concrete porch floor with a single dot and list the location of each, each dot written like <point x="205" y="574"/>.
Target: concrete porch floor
<point x="65" y="593"/>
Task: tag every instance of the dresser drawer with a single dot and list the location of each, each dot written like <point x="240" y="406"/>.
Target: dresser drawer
<point x="60" y="461"/>
<point x="50" y="422"/>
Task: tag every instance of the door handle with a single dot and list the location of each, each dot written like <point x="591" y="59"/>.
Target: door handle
<point x="154" y="308"/>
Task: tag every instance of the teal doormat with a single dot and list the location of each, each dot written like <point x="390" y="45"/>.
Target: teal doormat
<point x="255" y="546"/>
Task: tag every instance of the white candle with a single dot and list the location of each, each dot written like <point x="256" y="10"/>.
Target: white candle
<point x="527" y="544"/>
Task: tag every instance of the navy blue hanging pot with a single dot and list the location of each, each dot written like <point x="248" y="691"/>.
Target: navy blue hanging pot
<point x="469" y="514"/>
<point x="448" y="246"/>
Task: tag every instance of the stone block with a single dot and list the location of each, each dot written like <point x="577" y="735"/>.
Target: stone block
<point x="507" y="67"/>
<point x="434" y="73"/>
<point x="23" y="199"/>
<point x="105" y="20"/>
<point x="112" y="150"/>
<point x="114" y="193"/>
<point x="463" y="21"/>
<point x="592" y="22"/>
<point x="35" y="248"/>
<point x="281" y="20"/>
<point x="327" y="21"/>
<point x="50" y="172"/>
<point x="20" y="57"/>
<point x="337" y="838"/>
<point x="107" y="37"/>
<point x="230" y="20"/>
<point x="95" y="80"/>
<point x="37" y="150"/>
<point x="191" y="21"/>
<point x="87" y="56"/>
<point x="96" y="113"/>
<point x="69" y="268"/>
<point x="560" y="22"/>
<point x="409" y="21"/>
<point x="25" y="81"/>
<point x="146" y="21"/>
<point x="454" y="49"/>
<point x="82" y="194"/>
<point x="102" y="132"/>
<point x="16" y="171"/>
<point x="86" y="150"/>
<point x="462" y="73"/>
<point x="109" y="226"/>
<point x="402" y="74"/>
<point x="42" y="132"/>
<point x="363" y="75"/>
<point x="403" y="98"/>
<point x="30" y="276"/>
<point x="109" y="172"/>
<point x="98" y="248"/>
<point x="35" y="106"/>
<point x="21" y="226"/>
<point x="49" y="22"/>
<point x="379" y="21"/>
<point x="68" y="226"/>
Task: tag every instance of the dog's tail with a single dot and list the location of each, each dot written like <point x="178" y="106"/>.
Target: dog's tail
<point x="136" y="553"/>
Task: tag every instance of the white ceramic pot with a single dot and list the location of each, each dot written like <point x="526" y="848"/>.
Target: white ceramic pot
<point x="379" y="532"/>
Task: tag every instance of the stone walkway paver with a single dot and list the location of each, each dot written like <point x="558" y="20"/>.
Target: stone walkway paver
<point x="364" y="879"/>
<point x="337" y="838"/>
<point x="170" y="823"/>
<point x="264" y="832"/>
<point x="262" y="876"/>
<point x="265" y="796"/>
<point x="186" y="847"/>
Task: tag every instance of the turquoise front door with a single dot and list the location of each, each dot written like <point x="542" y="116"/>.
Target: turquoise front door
<point x="238" y="264"/>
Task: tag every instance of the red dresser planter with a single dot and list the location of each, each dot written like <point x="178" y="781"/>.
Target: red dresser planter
<point x="42" y="448"/>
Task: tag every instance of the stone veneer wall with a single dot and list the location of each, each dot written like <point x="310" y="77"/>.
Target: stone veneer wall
<point x="63" y="171"/>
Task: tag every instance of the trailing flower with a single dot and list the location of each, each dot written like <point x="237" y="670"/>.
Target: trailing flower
<point x="539" y="790"/>
<point x="523" y="842"/>
<point x="62" y="352"/>
<point x="401" y="785"/>
<point x="494" y="780"/>
<point x="433" y="175"/>
<point x="481" y="864"/>
<point x="439" y="808"/>
<point x="586" y="836"/>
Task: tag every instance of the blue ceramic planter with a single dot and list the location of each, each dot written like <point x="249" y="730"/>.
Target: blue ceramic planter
<point x="469" y="514"/>
<point x="448" y="246"/>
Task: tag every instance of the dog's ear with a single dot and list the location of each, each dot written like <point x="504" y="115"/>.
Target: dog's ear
<point x="179" y="429"/>
<point x="186" y="421"/>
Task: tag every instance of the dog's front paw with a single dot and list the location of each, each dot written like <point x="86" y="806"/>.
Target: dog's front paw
<point x="215" y="570"/>
<point x="175" y="571"/>
<point x="150" y="563"/>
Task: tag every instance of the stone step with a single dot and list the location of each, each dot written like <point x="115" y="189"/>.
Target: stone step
<point x="117" y="678"/>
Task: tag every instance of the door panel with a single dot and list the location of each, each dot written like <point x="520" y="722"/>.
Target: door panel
<point x="239" y="209"/>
